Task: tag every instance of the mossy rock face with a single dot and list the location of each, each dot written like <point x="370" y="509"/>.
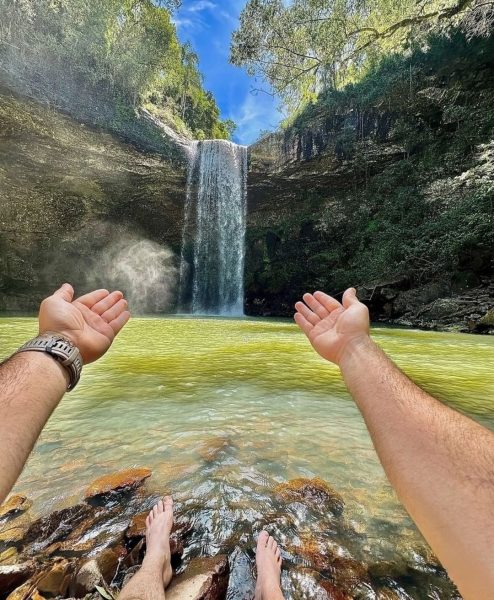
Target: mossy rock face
<point x="488" y="319"/>
<point x="68" y="192"/>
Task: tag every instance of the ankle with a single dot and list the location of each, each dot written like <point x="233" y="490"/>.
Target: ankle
<point x="153" y="563"/>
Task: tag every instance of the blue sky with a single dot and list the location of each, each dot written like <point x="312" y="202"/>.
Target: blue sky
<point x="208" y="25"/>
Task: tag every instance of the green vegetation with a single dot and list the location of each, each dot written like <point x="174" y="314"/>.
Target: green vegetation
<point x="411" y="201"/>
<point x="104" y="59"/>
<point x="305" y="47"/>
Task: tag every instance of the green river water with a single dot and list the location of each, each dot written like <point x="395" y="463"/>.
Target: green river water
<point x="223" y="410"/>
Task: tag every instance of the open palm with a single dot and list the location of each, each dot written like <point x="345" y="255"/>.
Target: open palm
<point x="91" y="322"/>
<point x="332" y="327"/>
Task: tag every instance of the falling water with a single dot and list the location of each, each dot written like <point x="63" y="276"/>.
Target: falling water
<point x="215" y="215"/>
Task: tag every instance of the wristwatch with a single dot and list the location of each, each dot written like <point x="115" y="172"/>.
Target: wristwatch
<point x="62" y="350"/>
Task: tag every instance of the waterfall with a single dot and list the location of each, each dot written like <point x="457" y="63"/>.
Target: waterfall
<point x="214" y="228"/>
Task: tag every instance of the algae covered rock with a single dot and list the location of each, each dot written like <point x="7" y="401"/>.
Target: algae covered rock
<point x="312" y="491"/>
<point x="116" y="483"/>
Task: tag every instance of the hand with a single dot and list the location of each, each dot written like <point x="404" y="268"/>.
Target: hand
<point x="333" y="328"/>
<point x="91" y="322"/>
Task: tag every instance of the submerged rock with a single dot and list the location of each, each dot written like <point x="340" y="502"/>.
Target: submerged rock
<point x="15" y="504"/>
<point x="54" y="527"/>
<point x="116" y="483"/>
<point x="204" y="579"/>
<point x="314" y="491"/>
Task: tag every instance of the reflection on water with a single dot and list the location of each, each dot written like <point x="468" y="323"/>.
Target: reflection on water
<point x="223" y="410"/>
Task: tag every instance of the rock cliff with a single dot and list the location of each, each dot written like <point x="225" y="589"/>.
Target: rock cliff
<point x="71" y="191"/>
<point x="386" y="186"/>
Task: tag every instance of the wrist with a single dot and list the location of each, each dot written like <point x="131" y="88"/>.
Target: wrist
<point x="354" y="352"/>
<point x="60" y="349"/>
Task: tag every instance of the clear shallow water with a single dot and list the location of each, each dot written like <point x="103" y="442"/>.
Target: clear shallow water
<point x="223" y="410"/>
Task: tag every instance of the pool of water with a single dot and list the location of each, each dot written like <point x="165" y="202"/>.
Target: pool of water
<point x="223" y="410"/>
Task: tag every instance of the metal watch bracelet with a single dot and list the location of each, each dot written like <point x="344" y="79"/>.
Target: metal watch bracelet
<point x="62" y="350"/>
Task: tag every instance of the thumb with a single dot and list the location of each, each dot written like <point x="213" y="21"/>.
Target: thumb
<point x="66" y="292"/>
<point x="350" y="297"/>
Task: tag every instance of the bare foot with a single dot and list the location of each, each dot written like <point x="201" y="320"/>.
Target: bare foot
<point x="268" y="561"/>
<point x="159" y="524"/>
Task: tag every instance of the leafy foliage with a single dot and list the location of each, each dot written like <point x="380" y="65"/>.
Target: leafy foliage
<point x="124" y="51"/>
<point x="307" y="46"/>
<point x="426" y="217"/>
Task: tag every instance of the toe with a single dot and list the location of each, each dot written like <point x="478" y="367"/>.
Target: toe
<point x="155" y="510"/>
<point x="168" y="502"/>
<point x="262" y="540"/>
<point x="271" y="543"/>
<point x="148" y="520"/>
<point x="160" y="507"/>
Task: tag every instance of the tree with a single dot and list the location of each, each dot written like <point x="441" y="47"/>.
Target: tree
<point x="306" y="46"/>
<point x="119" y="52"/>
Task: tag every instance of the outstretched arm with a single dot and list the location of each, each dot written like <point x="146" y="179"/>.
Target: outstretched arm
<point x="440" y="462"/>
<point x="33" y="383"/>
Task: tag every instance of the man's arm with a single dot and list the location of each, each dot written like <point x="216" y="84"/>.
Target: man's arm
<point x="33" y="383"/>
<point x="441" y="463"/>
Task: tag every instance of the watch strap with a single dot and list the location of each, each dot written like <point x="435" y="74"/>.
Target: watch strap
<point x="62" y="350"/>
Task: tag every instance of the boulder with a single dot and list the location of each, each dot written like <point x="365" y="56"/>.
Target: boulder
<point x="13" y="576"/>
<point x="88" y="577"/>
<point x="312" y="491"/>
<point x="116" y="483"/>
<point x="486" y="323"/>
<point x="13" y="531"/>
<point x="9" y="556"/>
<point x="15" y="504"/>
<point x="55" y="527"/>
<point x="204" y="579"/>
<point x="56" y="581"/>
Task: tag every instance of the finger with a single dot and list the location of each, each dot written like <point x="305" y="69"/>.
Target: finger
<point x="328" y="302"/>
<point x="92" y="298"/>
<point x="107" y="302"/>
<point x="350" y="297"/>
<point x="113" y="312"/>
<point x="316" y="306"/>
<point x="302" y="322"/>
<point x="307" y="313"/>
<point x="66" y="291"/>
<point x="118" y="323"/>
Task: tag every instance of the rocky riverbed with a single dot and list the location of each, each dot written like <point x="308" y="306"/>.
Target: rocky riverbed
<point x="89" y="550"/>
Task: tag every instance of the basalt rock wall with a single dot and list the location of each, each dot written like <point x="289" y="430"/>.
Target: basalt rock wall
<point x="69" y="191"/>
<point x="387" y="187"/>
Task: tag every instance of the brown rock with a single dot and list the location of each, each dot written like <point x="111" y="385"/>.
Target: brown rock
<point x="109" y="560"/>
<point x="212" y="448"/>
<point x="12" y="576"/>
<point x="56" y="581"/>
<point x="87" y="578"/>
<point x="9" y="556"/>
<point x="117" y="482"/>
<point x="204" y="579"/>
<point x="314" y="491"/>
<point x="55" y="527"/>
<point x="15" y="504"/>
<point x="333" y="593"/>
<point x="14" y="531"/>
<point x="24" y="592"/>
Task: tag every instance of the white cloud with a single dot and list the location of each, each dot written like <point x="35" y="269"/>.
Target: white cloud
<point x="200" y="6"/>
<point x="258" y="112"/>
